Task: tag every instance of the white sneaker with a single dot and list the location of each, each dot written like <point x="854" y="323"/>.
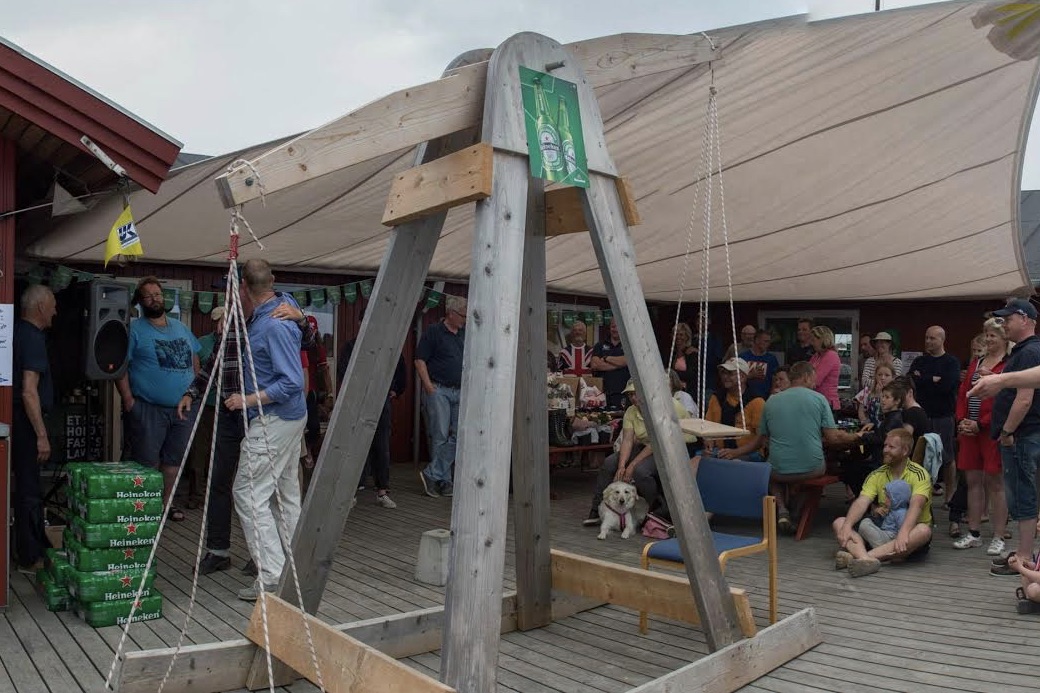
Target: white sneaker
<point x="968" y="542"/>
<point x="996" y="547"/>
<point x="385" y="501"/>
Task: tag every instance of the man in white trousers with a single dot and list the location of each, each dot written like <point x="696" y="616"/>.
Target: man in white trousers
<point x="271" y="447"/>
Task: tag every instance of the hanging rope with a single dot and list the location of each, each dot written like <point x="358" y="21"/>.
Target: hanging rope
<point x="236" y="321"/>
<point x="710" y="168"/>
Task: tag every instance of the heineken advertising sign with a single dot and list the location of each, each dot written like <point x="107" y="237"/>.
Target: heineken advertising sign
<point x="556" y="148"/>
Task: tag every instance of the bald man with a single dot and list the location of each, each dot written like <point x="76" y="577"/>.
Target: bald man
<point x="936" y="377"/>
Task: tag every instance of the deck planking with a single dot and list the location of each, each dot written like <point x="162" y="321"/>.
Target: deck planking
<point x="964" y="634"/>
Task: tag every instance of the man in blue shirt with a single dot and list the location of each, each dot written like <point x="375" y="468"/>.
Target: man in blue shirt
<point x="163" y="355"/>
<point x="610" y="363"/>
<point x="438" y="364"/>
<point x="762" y="365"/>
<point x="271" y="448"/>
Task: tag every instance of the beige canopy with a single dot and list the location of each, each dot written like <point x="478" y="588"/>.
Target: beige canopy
<point x="871" y="157"/>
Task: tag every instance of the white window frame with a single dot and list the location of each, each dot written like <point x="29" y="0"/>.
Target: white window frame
<point x="851" y="314"/>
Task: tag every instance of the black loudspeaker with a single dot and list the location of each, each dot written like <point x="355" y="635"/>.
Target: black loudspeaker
<point x="108" y="330"/>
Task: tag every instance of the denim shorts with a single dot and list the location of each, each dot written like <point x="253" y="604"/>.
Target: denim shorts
<point x="1019" y="463"/>
<point x="157" y="435"/>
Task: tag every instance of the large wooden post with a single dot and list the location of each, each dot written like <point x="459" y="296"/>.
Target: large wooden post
<point x="613" y="245"/>
<point x="366" y="383"/>
<point x="530" y="431"/>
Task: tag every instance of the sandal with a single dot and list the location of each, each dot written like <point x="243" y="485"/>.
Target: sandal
<point x="176" y="515"/>
<point x="955" y="530"/>
<point x="1026" y="605"/>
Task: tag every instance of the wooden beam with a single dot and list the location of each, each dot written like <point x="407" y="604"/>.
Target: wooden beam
<point x="741" y="663"/>
<point x="407" y="117"/>
<point x="531" y="430"/>
<point x="343" y="663"/>
<point x="564" y="212"/>
<point x="615" y="253"/>
<point x="397" y="121"/>
<point x="452" y="180"/>
<point x="657" y="593"/>
<point x="628" y="201"/>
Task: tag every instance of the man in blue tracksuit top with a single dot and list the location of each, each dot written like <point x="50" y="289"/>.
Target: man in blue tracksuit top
<point x="268" y="461"/>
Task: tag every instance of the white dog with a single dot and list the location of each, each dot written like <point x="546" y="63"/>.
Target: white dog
<point x="615" y="511"/>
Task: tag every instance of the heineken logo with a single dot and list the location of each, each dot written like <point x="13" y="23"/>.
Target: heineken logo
<point x="138" y="481"/>
<point x="126" y="580"/>
<point x="138" y="505"/>
<point x="129" y="553"/>
<point x="131" y="528"/>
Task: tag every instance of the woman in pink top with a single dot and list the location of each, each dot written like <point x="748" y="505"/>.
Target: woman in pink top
<point x="827" y="364"/>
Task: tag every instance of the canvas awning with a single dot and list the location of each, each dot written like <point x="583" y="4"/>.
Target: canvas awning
<point x="870" y="157"/>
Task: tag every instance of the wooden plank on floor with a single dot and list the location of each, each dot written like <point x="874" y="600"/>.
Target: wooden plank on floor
<point x="343" y="663"/>
<point x="731" y="667"/>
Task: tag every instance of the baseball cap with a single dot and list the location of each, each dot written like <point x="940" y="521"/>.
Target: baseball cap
<point x="313" y="321"/>
<point x="630" y="387"/>
<point x="1020" y="306"/>
<point x="735" y="365"/>
<point x="882" y="337"/>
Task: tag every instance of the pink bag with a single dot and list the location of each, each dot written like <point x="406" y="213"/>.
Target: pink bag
<point x="656" y="528"/>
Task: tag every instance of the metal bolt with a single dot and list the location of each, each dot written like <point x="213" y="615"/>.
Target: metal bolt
<point x="249" y="181"/>
<point x="549" y="67"/>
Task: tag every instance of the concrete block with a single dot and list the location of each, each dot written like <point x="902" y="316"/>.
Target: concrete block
<point x="432" y="566"/>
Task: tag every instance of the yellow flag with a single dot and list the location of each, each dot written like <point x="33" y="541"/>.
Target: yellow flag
<point x="123" y="238"/>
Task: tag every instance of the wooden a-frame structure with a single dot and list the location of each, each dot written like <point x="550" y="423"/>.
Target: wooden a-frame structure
<point x="474" y="147"/>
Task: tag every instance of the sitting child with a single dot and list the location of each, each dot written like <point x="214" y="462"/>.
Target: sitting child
<point x="891" y="419"/>
<point x="1029" y="596"/>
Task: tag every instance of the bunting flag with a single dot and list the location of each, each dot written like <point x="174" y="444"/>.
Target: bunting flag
<point x="123" y="238"/>
<point x="185" y="300"/>
<point x="433" y="299"/>
<point x="366" y="288"/>
<point x="350" y="293"/>
<point x="334" y="295"/>
<point x="317" y="297"/>
<point x="221" y="298"/>
<point x="568" y="318"/>
<point x="169" y="298"/>
<point x="301" y="297"/>
<point x="206" y="301"/>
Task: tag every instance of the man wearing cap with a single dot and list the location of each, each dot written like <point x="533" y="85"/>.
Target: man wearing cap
<point x="796" y="423"/>
<point x="937" y="378"/>
<point x="634" y="462"/>
<point x="882" y="354"/>
<point x="1016" y="424"/>
<point x="733" y="378"/>
<point x="762" y="365"/>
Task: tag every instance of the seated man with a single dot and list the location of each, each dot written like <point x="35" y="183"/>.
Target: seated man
<point x="862" y="552"/>
<point x="733" y="380"/>
<point x="796" y="423"/>
<point x="634" y="462"/>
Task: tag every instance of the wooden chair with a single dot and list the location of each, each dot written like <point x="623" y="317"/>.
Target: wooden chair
<point x="737" y="489"/>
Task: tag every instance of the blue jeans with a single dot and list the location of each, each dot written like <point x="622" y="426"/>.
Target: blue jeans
<point x="1019" y="463"/>
<point x="442" y="423"/>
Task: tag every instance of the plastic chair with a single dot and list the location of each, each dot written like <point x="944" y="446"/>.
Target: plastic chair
<point x="737" y="489"/>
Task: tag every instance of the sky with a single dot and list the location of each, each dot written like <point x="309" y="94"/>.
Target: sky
<point x="221" y="75"/>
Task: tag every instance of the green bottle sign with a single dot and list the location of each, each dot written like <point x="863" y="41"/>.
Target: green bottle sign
<point x="555" y="145"/>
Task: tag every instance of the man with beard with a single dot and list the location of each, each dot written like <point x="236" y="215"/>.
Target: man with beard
<point x="862" y="551"/>
<point x="163" y="358"/>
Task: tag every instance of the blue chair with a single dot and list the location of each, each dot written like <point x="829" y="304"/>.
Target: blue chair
<point x="736" y="489"/>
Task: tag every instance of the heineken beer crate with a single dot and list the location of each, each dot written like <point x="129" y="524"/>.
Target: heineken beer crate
<point x="93" y="560"/>
<point x="116" y="480"/>
<point x="109" y="585"/>
<point x="55" y="596"/>
<point x="108" y="510"/>
<point x="113" y="535"/>
<point x="58" y="566"/>
<point x="116" y="613"/>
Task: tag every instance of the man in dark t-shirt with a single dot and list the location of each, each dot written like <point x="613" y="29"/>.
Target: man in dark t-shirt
<point x="33" y="396"/>
<point x="609" y="362"/>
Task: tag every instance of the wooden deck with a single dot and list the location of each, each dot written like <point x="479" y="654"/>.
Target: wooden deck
<point x="940" y="625"/>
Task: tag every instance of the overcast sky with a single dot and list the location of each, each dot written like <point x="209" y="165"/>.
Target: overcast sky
<point x="220" y="75"/>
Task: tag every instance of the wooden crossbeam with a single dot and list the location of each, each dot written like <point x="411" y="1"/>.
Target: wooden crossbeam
<point x="427" y="111"/>
<point x="347" y="665"/>
<point x="742" y="662"/>
<point x="564" y="212"/>
<point x="635" y="588"/>
<point x="453" y="180"/>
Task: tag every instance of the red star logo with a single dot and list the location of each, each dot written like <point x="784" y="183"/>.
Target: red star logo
<point x="131" y="528"/>
<point x="129" y="553"/>
<point x="137" y="605"/>
<point x="126" y="580"/>
<point x="138" y="480"/>
<point x="139" y="505"/>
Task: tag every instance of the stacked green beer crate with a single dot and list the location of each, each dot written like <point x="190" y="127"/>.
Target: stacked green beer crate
<point x="114" y="514"/>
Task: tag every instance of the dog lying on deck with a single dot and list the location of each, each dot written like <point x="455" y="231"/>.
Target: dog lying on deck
<point x="615" y="511"/>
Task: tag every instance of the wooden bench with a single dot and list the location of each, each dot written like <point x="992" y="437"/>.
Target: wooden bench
<point x="813" y="489"/>
<point x="605" y="448"/>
